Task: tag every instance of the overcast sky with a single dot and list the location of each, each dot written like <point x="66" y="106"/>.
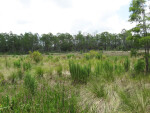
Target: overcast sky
<point x="44" y="16"/>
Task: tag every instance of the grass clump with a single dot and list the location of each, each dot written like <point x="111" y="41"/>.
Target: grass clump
<point x="127" y="64"/>
<point x="39" y="71"/>
<point x="70" y="56"/>
<point x="13" y="77"/>
<point x="17" y="64"/>
<point x="79" y="73"/>
<point x="139" y="66"/>
<point x="30" y="83"/>
<point x="26" y="66"/>
<point x="59" y="70"/>
<point x="108" y="70"/>
<point x="20" y="74"/>
<point x="98" y="69"/>
<point x="133" y="52"/>
<point x="1" y="79"/>
<point x="99" y="90"/>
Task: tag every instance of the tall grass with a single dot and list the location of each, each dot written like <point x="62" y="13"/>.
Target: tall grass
<point x="136" y="102"/>
<point x="127" y="64"/>
<point x="17" y="64"/>
<point x="30" y="83"/>
<point x="49" y="100"/>
<point x="139" y="66"/>
<point x="2" y="79"/>
<point x="39" y="71"/>
<point x="59" y="70"/>
<point x="79" y="73"/>
<point x="26" y="66"/>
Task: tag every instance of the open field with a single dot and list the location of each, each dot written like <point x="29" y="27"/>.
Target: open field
<point x="94" y="82"/>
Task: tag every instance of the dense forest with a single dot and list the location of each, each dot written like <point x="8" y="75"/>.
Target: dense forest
<point x="63" y="42"/>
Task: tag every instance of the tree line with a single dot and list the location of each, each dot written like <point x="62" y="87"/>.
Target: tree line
<point x="63" y="42"/>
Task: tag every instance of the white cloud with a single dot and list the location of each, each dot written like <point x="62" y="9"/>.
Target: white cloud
<point x="55" y="16"/>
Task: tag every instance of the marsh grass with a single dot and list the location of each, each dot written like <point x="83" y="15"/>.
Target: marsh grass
<point x="39" y="71"/>
<point x="108" y="84"/>
<point x="79" y="73"/>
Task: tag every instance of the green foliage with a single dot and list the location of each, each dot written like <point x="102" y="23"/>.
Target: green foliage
<point x="36" y="56"/>
<point x="70" y="56"/>
<point x="1" y="79"/>
<point x="135" y="102"/>
<point x="108" y="70"/>
<point x="30" y="83"/>
<point x="99" y="90"/>
<point x="127" y="64"/>
<point x="87" y="56"/>
<point x="39" y="71"/>
<point x="20" y="74"/>
<point x="79" y="73"/>
<point x="98" y="69"/>
<point x="133" y="52"/>
<point x="50" y="100"/>
<point x="26" y="66"/>
<point x="50" y="56"/>
<point x="13" y="77"/>
<point x="59" y="70"/>
<point x="17" y="64"/>
<point x="139" y="66"/>
<point x="99" y="55"/>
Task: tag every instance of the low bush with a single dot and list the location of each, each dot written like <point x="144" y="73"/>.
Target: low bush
<point x="36" y="56"/>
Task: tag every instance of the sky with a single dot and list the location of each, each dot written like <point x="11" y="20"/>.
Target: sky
<point x="61" y="16"/>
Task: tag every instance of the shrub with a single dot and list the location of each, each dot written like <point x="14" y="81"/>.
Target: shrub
<point x="26" y="66"/>
<point x="139" y="66"/>
<point x="78" y="72"/>
<point x="17" y="64"/>
<point x="59" y="70"/>
<point x="36" y="56"/>
<point x="30" y="83"/>
<point x="127" y="64"/>
<point x="133" y="52"/>
<point x="39" y="71"/>
<point x="93" y="53"/>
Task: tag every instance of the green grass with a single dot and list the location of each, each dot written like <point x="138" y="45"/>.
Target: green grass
<point x="71" y="83"/>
